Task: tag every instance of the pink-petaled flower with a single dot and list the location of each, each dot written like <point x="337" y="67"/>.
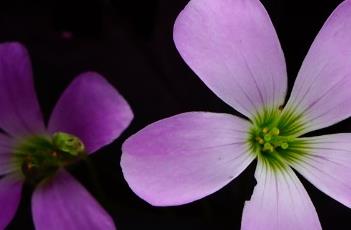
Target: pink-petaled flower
<point x="233" y="47"/>
<point x="89" y="115"/>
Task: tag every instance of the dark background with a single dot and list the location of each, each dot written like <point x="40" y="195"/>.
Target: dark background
<point x="130" y="43"/>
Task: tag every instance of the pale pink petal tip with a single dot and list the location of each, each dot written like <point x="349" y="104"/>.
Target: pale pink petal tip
<point x="186" y="157"/>
<point x="233" y="47"/>
<point x="279" y="201"/>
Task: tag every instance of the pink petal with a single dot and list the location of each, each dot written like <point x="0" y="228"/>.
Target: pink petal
<point x="10" y="196"/>
<point x="233" y="47"/>
<point x="63" y="203"/>
<point x="6" y="150"/>
<point x="185" y="157"/>
<point x="279" y="201"/>
<point x="322" y="89"/>
<point x="328" y="166"/>
<point x="20" y="112"/>
<point x="93" y="110"/>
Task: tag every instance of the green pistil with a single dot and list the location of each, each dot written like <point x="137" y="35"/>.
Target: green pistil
<point x="68" y="143"/>
<point x="39" y="157"/>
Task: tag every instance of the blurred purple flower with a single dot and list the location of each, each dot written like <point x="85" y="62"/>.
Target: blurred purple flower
<point x="89" y="115"/>
<point x="233" y="47"/>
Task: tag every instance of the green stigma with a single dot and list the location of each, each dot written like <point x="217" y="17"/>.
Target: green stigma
<point x="39" y="157"/>
<point x="68" y="143"/>
<point x="273" y="137"/>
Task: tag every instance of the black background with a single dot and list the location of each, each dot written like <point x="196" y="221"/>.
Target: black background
<point x="130" y="43"/>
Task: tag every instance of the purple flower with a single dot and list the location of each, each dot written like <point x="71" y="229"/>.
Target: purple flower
<point x="89" y="115"/>
<point x="232" y="46"/>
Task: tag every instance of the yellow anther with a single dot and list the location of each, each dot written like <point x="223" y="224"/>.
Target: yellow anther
<point x="260" y="140"/>
<point x="269" y="147"/>
<point x="275" y="131"/>
<point x="265" y="130"/>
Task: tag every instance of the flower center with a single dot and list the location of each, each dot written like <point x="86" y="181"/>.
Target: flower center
<point x="270" y="141"/>
<point x="39" y="157"/>
<point x="273" y="137"/>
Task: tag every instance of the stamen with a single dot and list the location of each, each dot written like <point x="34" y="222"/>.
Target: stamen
<point x="268" y="146"/>
<point x="259" y="140"/>
<point x="284" y="145"/>
<point x="265" y="130"/>
<point x="267" y="137"/>
<point x="275" y="131"/>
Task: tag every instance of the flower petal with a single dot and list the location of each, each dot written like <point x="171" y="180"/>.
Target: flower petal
<point x="63" y="203"/>
<point x="322" y="89"/>
<point x="93" y="110"/>
<point x="10" y="196"/>
<point x="6" y="148"/>
<point x="185" y="157"/>
<point x="328" y="165"/>
<point x="234" y="49"/>
<point x="20" y="112"/>
<point x="279" y="201"/>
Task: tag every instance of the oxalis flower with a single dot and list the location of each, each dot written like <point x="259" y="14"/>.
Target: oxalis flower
<point x="232" y="46"/>
<point x="89" y="115"/>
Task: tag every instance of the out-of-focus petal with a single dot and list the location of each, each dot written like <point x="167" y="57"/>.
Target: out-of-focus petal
<point x="279" y="201"/>
<point x="328" y="165"/>
<point x="63" y="203"/>
<point x="185" y="157"/>
<point x="6" y="151"/>
<point x="322" y="89"/>
<point x="233" y="47"/>
<point x="20" y="112"/>
<point x="10" y="196"/>
<point x="93" y="110"/>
